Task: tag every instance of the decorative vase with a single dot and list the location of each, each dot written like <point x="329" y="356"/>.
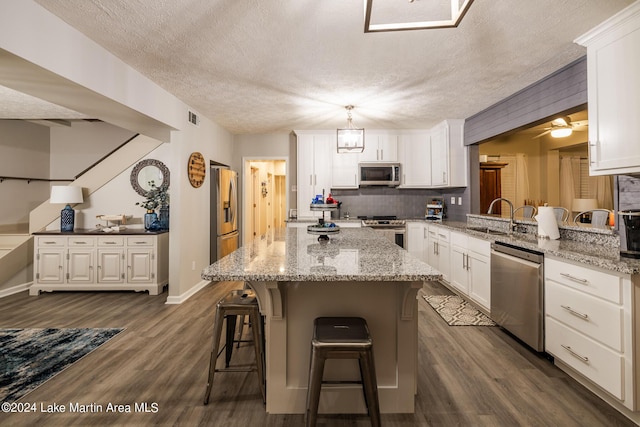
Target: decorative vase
<point x="164" y="218"/>
<point x="150" y="219"/>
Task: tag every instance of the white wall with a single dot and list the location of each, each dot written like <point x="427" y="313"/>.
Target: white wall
<point x="24" y="152"/>
<point x="82" y="144"/>
<point x="74" y="72"/>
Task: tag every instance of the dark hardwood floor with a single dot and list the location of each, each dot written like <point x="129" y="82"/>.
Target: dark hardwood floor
<point x="468" y="376"/>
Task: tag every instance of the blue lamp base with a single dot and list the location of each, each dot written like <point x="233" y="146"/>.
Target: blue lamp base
<point x="67" y="218"/>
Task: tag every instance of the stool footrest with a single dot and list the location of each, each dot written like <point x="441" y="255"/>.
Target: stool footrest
<point x="232" y="369"/>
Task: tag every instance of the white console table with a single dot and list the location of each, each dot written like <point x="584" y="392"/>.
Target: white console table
<point x="93" y="260"/>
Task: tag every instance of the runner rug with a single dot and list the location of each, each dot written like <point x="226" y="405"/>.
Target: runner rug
<point x="457" y="312"/>
<point x="29" y="357"/>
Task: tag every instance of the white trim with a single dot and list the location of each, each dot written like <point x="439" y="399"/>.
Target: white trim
<point x="15" y="289"/>
<point x="193" y="290"/>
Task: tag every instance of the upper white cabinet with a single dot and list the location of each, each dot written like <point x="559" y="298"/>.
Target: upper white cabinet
<point x="345" y="170"/>
<point x="315" y="170"/>
<point x="613" y="80"/>
<point x="434" y="158"/>
<point x="414" y="150"/>
<point x="379" y="146"/>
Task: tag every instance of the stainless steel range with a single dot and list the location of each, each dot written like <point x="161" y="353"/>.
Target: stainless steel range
<point x="390" y="226"/>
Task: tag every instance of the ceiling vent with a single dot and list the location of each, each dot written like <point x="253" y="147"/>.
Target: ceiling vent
<point x="193" y="118"/>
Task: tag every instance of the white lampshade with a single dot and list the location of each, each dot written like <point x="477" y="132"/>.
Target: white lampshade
<point x="66" y="194"/>
<point x="582" y="205"/>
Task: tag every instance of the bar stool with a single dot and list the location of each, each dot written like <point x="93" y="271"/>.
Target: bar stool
<point x="342" y="338"/>
<point x="241" y="302"/>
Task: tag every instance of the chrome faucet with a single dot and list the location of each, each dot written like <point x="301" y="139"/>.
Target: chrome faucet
<point x="511" y="224"/>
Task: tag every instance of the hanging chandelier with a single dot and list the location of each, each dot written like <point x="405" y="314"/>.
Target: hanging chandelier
<point x="350" y="139"/>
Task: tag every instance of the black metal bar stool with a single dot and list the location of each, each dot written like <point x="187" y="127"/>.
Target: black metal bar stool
<point x="342" y="338"/>
<point x="241" y="302"/>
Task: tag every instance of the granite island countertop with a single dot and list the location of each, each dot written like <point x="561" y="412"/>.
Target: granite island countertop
<point x="293" y="255"/>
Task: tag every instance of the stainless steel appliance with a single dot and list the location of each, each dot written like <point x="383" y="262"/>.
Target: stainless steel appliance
<point x="224" y="235"/>
<point x="379" y="173"/>
<point x="517" y="292"/>
<point x="389" y="226"/>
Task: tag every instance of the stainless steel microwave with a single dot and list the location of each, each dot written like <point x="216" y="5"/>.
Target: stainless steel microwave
<point x="379" y="173"/>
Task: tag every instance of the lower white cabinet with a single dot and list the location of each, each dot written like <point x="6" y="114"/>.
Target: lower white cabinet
<point x="416" y="236"/>
<point x="588" y="326"/>
<point x="471" y="268"/>
<point x="437" y="250"/>
<point x="129" y="261"/>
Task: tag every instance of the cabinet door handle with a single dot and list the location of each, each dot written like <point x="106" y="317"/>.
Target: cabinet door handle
<point x="464" y="266"/>
<point x="584" y="359"/>
<point x="575" y="279"/>
<point x="575" y="313"/>
<point x="311" y="179"/>
<point x="381" y="154"/>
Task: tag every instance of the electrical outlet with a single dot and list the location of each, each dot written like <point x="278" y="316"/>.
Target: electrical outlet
<point x="460" y="201"/>
<point x="193" y="265"/>
<point x="294" y="188"/>
<point x="453" y="200"/>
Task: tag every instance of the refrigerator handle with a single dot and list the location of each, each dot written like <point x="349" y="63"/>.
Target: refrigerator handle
<point x="233" y="199"/>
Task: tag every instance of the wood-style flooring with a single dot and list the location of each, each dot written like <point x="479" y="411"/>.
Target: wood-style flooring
<point x="468" y="376"/>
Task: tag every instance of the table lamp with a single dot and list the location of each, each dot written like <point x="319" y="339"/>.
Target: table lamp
<point x="66" y="194"/>
<point x="583" y="205"/>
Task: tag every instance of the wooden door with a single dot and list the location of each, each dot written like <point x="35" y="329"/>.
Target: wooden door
<point x="490" y="187"/>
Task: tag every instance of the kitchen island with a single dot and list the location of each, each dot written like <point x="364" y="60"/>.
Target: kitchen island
<point x="356" y="273"/>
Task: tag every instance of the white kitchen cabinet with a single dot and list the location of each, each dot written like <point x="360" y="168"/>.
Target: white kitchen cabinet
<point x="415" y="245"/>
<point x="448" y="155"/>
<point x="315" y="149"/>
<point x="437" y="250"/>
<point x="613" y="80"/>
<point x="379" y="147"/>
<point x="589" y="326"/>
<point x="414" y="151"/>
<point x="434" y="158"/>
<point x="97" y="262"/>
<point x="471" y="268"/>
<point x="344" y="170"/>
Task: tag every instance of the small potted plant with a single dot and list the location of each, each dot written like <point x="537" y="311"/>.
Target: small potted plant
<point x="157" y="197"/>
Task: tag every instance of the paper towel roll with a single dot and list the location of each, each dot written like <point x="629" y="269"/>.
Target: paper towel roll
<point x="547" y="223"/>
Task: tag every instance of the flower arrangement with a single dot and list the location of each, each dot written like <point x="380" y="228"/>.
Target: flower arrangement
<point x="156" y="197"/>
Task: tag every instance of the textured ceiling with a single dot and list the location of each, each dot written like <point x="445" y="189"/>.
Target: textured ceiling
<point x="257" y="66"/>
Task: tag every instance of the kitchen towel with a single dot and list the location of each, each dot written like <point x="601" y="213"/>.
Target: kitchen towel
<point x="547" y="223"/>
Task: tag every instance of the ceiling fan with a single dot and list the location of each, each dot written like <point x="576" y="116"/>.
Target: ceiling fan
<point x="563" y="126"/>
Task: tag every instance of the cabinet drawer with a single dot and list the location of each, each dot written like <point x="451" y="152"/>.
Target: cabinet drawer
<point x="480" y="246"/>
<point x="601" y="365"/>
<point x="595" y="282"/>
<point x="111" y="241"/>
<point x="82" y="241"/>
<point x="598" y="319"/>
<point x="459" y="239"/>
<point x="140" y="241"/>
<point x="443" y="234"/>
<point x="51" y="241"/>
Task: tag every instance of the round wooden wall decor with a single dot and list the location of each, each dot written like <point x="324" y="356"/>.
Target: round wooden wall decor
<point x="196" y="169"/>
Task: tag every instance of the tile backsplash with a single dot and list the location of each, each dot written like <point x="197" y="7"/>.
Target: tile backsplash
<point x="403" y="203"/>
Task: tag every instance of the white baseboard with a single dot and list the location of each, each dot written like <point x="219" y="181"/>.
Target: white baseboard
<point x="182" y="298"/>
<point x="15" y="289"/>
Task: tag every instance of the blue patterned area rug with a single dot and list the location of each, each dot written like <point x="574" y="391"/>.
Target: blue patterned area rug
<point x="29" y="357"/>
<point x="457" y="312"/>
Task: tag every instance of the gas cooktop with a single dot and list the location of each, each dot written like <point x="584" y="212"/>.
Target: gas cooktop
<point x="380" y="221"/>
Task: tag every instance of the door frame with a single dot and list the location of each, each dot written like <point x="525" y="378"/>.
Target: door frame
<point x="245" y="231"/>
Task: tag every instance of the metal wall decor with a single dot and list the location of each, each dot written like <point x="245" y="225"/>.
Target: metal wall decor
<point x="196" y="169"/>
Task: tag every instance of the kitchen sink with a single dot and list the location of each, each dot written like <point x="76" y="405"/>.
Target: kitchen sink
<point x="487" y="231"/>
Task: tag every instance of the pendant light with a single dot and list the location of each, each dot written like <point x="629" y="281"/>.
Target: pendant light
<point x="350" y="139"/>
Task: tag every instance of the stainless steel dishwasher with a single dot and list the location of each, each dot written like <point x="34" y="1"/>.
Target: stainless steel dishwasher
<point x="517" y="292"/>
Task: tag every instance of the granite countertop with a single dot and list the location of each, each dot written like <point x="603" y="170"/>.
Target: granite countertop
<point x="94" y="231"/>
<point x="293" y="255"/>
<point x="587" y="250"/>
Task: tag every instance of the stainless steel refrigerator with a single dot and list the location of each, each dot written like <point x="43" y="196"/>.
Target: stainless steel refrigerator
<point x="224" y="213"/>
